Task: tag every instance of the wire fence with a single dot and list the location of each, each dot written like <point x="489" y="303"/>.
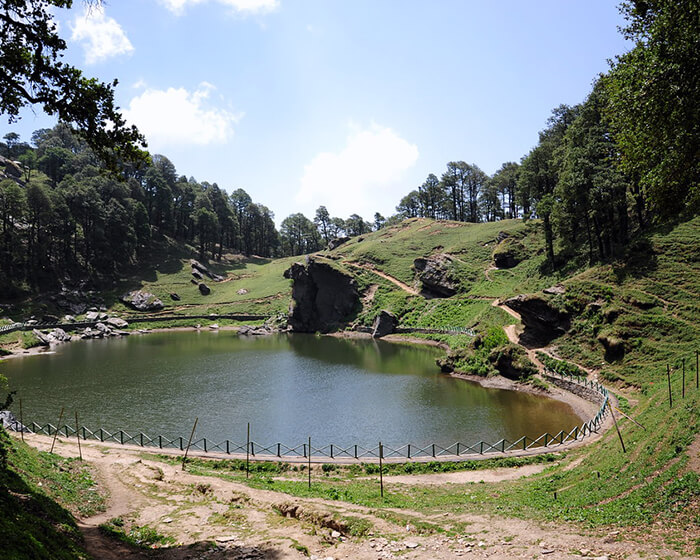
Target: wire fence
<point x="10" y="328"/>
<point x="443" y="330"/>
<point x="282" y="451"/>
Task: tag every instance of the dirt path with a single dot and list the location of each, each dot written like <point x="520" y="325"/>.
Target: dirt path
<point x="513" y="334"/>
<point x="488" y="270"/>
<point x="218" y="519"/>
<point x="369" y="268"/>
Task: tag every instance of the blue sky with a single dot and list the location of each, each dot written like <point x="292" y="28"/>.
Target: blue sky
<point x="349" y="104"/>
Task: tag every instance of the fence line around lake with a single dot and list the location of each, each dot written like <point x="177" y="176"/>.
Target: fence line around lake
<point x="588" y="389"/>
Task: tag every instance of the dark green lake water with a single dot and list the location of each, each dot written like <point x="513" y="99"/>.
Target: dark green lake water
<point x="289" y="387"/>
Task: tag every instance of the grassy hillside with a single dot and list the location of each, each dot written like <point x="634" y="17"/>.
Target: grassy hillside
<point x="39" y="494"/>
<point x="645" y="308"/>
<point x="630" y="320"/>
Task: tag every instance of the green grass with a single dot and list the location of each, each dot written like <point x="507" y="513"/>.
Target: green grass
<point x="21" y="339"/>
<point x="135" y="535"/>
<point x="39" y="493"/>
<point x="646" y="304"/>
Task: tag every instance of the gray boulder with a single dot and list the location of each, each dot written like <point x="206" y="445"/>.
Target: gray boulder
<point x="337" y="242"/>
<point x="92" y="316"/>
<point x="435" y="273"/>
<point x="142" y="301"/>
<point x="10" y="421"/>
<point x="196" y="265"/>
<point x="255" y="331"/>
<point x="117" y="323"/>
<point x="556" y="290"/>
<point x="56" y="336"/>
<point x="204" y="289"/>
<point x="41" y="337"/>
<point x="385" y="323"/>
<point x="91" y="333"/>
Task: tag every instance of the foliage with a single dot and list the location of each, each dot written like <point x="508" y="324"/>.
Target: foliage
<point x="33" y="73"/>
<point x="476" y="359"/>
<point x="299" y="235"/>
<point x="560" y="366"/>
<point x="654" y="90"/>
<point x="84" y="224"/>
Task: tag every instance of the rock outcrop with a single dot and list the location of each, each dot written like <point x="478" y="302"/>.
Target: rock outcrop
<point x="56" y="336"/>
<point x="435" y="273"/>
<point x="323" y="298"/>
<point x="385" y="323"/>
<point x="337" y="242"/>
<point x="508" y="253"/>
<point x="198" y="269"/>
<point x="77" y="301"/>
<point x="204" y="289"/>
<point x="543" y="321"/>
<point x="142" y="301"/>
<point x="10" y="169"/>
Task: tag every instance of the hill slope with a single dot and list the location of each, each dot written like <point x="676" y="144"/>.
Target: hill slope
<point x="627" y="322"/>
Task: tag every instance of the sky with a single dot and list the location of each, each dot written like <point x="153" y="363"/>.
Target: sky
<point x="348" y="104"/>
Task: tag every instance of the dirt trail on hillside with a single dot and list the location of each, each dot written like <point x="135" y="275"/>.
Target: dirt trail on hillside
<point x="395" y="281"/>
<point x="513" y="334"/>
<point x="218" y="519"/>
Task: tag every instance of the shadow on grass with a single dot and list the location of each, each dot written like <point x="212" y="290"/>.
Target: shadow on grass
<point x="103" y="546"/>
<point x="32" y="525"/>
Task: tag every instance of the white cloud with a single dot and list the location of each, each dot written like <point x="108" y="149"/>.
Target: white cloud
<point x="102" y="36"/>
<point x="177" y="117"/>
<point x="241" y="6"/>
<point x="364" y="177"/>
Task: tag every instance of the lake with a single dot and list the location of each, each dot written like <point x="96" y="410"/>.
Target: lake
<point x="289" y="387"/>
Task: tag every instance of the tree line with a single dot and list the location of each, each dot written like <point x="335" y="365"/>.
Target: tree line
<point x="602" y="171"/>
<point x="64" y="216"/>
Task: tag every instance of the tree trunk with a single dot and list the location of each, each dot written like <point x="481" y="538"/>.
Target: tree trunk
<point x="549" y="238"/>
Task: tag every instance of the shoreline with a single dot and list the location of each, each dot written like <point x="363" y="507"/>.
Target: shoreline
<point x="581" y="407"/>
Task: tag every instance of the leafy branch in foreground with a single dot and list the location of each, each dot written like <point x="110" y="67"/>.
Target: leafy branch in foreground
<point x="33" y="74"/>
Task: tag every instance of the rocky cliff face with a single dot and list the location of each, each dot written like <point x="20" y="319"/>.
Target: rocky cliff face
<point x="435" y="274"/>
<point x="323" y="298"/>
<point x="543" y="321"/>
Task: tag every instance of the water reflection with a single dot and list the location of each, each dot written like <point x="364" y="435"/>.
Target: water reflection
<point x="289" y="387"/>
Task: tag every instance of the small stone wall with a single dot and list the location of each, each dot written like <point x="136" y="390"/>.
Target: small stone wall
<point x="587" y="393"/>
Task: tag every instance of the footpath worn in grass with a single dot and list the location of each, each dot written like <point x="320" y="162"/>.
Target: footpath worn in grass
<point x="631" y="318"/>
